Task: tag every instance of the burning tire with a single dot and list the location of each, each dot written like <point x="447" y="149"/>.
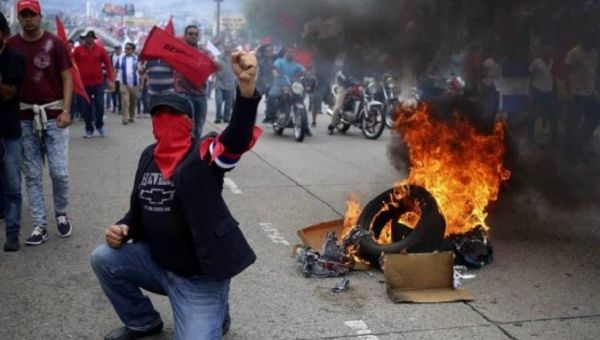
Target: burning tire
<point x="427" y="236"/>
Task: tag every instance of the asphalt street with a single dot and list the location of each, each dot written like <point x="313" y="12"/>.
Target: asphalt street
<point x="543" y="284"/>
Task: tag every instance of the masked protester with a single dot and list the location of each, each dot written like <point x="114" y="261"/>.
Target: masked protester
<point x="185" y="242"/>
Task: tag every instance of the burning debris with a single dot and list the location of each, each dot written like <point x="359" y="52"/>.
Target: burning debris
<point x="455" y="172"/>
<point x="332" y="261"/>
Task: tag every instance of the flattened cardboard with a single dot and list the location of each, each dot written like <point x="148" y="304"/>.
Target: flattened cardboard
<point x="422" y="278"/>
<point x="314" y="235"/>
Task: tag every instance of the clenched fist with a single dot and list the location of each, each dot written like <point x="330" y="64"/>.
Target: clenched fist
<point x="244" y="66"/>
<point x="116" y="234"/>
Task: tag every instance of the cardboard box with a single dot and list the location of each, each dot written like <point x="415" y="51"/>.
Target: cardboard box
<point x="314" y="235"/>
<point x="422" y="278"/>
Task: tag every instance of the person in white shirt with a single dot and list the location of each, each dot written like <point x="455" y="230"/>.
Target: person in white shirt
<point x="581" y="81"/>
<point x="542" y="95"/>
<point x="115" y="96"/>
<point x="127" y="68"/>
<point x="491" y="74"/>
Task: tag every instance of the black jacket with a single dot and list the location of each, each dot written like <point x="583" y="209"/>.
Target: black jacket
<point x="221" y="248"/>
<point x="12" y="70"/>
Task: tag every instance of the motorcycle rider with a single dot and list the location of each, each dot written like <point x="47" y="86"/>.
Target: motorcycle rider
<point x="288" y="66"/>
<point x="292" y="70"/>
<point x="343" y="83"/>
<point x="279" y="86"/>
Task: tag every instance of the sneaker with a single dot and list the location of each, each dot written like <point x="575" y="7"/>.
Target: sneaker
<point x="124" y="333"/>
<point x="12" y="244"/>
<point x="330" y="129"/>
<point x="124" y="122"/>
<point x="63" y="226"/>
<point x="131" y="120"/>
<point x="102" y="132"/>
<point x="217" y="121"/>
<point x="308" y="133"/>
<point x="38" y="236"/>
<point x="88" y="135"/>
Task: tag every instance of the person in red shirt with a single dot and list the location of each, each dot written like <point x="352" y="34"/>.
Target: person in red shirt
<point x="45" y="103"/>
<point x="91" y="58"/>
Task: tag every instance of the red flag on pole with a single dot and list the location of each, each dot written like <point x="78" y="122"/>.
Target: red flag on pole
<point x="78" y="87"/>
<point x="191" y="63"/>
<point x="169" y="26"/>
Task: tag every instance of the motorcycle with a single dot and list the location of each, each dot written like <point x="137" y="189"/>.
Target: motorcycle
<point x="292" y="112"/>
<point x="390" y="99"/>
<point x="360" y="109"/>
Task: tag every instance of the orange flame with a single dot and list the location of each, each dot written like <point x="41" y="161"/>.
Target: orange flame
<point x="352" y="213"/>
<point x="459" y="166"/>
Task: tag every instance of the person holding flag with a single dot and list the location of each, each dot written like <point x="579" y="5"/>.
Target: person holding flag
<point x="45" y="103"/>
<point x="185" y="242"/>
<point x="196" y="93"/>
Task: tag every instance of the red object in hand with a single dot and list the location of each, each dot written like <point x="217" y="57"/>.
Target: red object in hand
<point x="191" y="63"/>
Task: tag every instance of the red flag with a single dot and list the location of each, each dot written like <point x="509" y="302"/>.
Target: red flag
<point x="191" y="63"/>
<point x="78" y="87"/>
<point x="303" y="57"/>
<point x="169" y="27"/>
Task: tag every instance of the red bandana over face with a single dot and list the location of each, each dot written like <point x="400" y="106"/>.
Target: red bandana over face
<point x="173" y="136"/>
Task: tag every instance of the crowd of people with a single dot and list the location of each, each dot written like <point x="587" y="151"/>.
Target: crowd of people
<point x="560" y="86"/>
<point x="123" y="83"/>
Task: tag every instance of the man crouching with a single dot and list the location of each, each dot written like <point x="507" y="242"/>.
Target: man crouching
<point x="185" y="243"/>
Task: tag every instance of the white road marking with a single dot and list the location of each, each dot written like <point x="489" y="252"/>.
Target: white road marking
<point x="273" y="233"/>
<point x="232" y="186"/>
<point x="361" y="329"/>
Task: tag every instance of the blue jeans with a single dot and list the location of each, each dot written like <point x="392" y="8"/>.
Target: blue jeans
<point x="115" y="97"/>
<point x="490" y="98"/>
<point x="580" y="122"/>
<point x="543" y="105"/>
<point x="94" y="111"/>
<point x="224" y="101"/>
<point x="199" y="106"/>
<point x="56" y="141"/>
<point x="10" y="183"/>
<point x="199" y="303"/>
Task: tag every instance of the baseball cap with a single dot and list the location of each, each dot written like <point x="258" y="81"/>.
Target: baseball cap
<point x="32" y="5"/>
<point x="90" y="34"/>
<point x="179" y="103"/>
